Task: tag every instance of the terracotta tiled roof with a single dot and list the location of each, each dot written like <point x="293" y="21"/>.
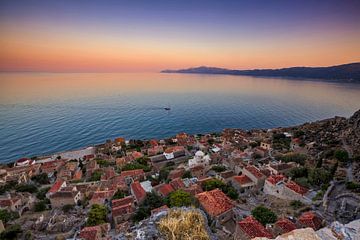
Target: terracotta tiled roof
<point x="193" y="189"/>
<point x="123" y="209"/>
<point x="242" y="179"/>
<point x="254" y="171"/>
<point x="177" y="183"/>
<point x="64" y="194"/>
<point x="197" y="168"/>
<point x="138" y="191"/>
<point x="274" y="179"/>
<point x="136" y="154"/>
<point x="296" y="187"/>
<point x="21" y="160"/>
<point x="56" y="186"/>
<point x="252" y="228"/>
<point x="285" y="225"/>
<point x="103" y="194"/>
<point x="89" y="233"/>
<point x="120" y="140"/>
<point x="177" y="173"/>
<point x="215" y="202"/>
<point x="122" y="201"/>
<point x="131" y="173"/>
<point x="310" y="219"/>
<point x="164" y="189"/>
<point x="8" y="202"/>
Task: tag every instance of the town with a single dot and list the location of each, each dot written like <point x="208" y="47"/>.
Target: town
<point x="284" y="183"/>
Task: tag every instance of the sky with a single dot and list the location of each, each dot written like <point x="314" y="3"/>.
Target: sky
<point x="136" y="35"/>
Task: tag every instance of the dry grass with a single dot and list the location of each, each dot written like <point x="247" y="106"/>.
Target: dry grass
<point x="184" y="225"/>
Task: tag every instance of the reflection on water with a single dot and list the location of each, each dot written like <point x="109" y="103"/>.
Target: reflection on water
<point x="48" y="112"/>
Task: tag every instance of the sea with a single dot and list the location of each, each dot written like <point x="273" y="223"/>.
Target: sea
<point x="45" y="113"/>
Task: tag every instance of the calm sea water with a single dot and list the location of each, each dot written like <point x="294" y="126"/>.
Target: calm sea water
<point x="42" y="113"/>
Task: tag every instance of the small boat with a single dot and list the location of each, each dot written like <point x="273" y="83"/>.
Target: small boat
<point x="167" y="108"/>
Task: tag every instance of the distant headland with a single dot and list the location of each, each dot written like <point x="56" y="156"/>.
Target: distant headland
<point x="346" y="72"/>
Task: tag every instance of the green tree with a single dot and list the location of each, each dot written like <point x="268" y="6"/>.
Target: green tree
<point x="11" y="232"/>
<point x="218" y="168"/>
<point x="7" y="187"/>
<point x="264" y="215"/>
<point x="341" y="155"/>
<point x="296" y="204"/>
<point x="40" y="206"/>
<point x="30" y="188"/>
<point x="119" y="194"/>
<point x="293" y="157"/>
<point x="96" y="176"/>
<point x="41" y="194"/>
<point x="180" y="198"/>
<point x="319" y="176"/>
<point x="151" y="201"/>
<point x="96" y="215"/>
<point x="7" y="216"/>
<point x="41" y="178"/>
<point x="298" y="172"/>
<point x="67" y="208"/>
<point x="187" y="174"/>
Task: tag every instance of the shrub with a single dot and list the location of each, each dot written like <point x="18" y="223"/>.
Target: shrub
<point x="40" y="206"/>
<point x="319" y="176"/>
<point x="293" y="157"/>
<point x="11" y="232"/>
<point x="30" y="188"/>
<point x="96" y="215"/>
<point x="67" y="208"/>
<point x="264" y="215"/>
<point x="187" y="174"/>
<point x="41" y="178"/>
<point x="119" y="194"/>
<point x="218" y="168"/>
<point x="151" y="201"/>
<point x="180" y="198"/>
<point x="96" y="176"/>
<point x="341" y="155"/>
<point x="7" y="216"/>
<point x="296" y="204"/>
<point x="41" y="194"/>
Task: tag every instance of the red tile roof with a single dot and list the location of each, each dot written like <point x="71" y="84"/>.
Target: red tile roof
<point x="90" y="233"/>
<point x="215" y="202"/>
<point x="131" y="173"/>
<point x="193" y="189"/>
<point x="310" y="219"/>
<point x="285" y="225"/>
<point x="254" y="171"/>
<point x="56" y="186"/>
<point x="23" y="160"/>
<point x="242" y="179"/>
<point x="138" y="191"/>
<point x="122" y="201"/>
<point x="123" y="209"/>
<point x="296" y="187"/>
<point x="177" y="183"/>
<point x="274" y="179"/>
<point x="164" y="189"/>
<point x="103" y="194"/>
<point x="8" y="202"/>
<point x="252" y="228"/>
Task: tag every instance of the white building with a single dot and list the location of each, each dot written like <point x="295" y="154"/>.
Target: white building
<point x="199" y="159"/>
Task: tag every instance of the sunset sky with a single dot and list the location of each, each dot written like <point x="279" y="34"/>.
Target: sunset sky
<point x="84" y="35"/>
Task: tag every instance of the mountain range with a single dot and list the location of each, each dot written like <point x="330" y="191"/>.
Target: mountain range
<point x="345" y="72"/>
